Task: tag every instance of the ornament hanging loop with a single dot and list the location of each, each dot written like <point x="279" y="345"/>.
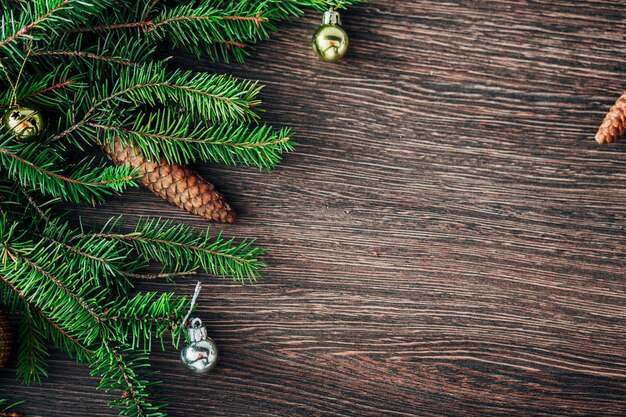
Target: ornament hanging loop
<point x="196" y="293"/>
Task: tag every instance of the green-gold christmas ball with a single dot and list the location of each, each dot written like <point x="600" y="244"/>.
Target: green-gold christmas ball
<point x="330" y="40"/>
<point x="25" y="122"/>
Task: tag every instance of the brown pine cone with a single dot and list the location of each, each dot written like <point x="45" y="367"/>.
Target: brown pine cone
<point x="614" y="125"/>
<point x="177" y="184"/>
<point x="6" y="339"/>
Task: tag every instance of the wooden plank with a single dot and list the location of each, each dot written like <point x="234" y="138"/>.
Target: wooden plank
<point x="447" y="240"/>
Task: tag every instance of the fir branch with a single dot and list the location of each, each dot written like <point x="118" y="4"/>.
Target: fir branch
<point x="42" y="90"/>
<point x="59" y="85"/>
<point x="118" y="373"/>
<point x="150" y="8"/>
<point x="147" y="315"/>
<point x="85" y="55"/>
<point x="34" y="167"/>
<point x="27" y="28"/>
<point x="180" y="140"/>
<point x="39" y="18"/>
<point x="72" y="343"/>
<point x="178" y="248"/>
<point x="31" y="351"/>
<point x="97" y="58"/>
<point x="107" y="265"/>
<point x="35" y="206"/>
<point x="162" y="275"/>
<point x="103" y="269"/>
<point x="38" y="274"/>
<point x="218" y="97"/>
<point x="63" y="287"/>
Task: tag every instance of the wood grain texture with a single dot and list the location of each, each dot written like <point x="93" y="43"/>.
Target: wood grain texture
<point x="447" y="240"/>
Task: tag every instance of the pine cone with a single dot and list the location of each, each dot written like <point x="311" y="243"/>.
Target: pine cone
<point x="177" y="184"/>
<point x="6" y="339"/>
<point x="614" y="125"/>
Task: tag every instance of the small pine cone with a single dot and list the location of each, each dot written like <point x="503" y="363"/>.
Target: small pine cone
<point x="614" y="125"/>
<point x="177" y="184"/>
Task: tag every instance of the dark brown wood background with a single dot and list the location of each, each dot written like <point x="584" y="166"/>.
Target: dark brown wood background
<point x="447" y="240"/>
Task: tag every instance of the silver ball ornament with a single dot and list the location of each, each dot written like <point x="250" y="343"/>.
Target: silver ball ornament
<point x="25" y="122"/>
<point x="201" y="355"/>
<point x="330" y="40"/>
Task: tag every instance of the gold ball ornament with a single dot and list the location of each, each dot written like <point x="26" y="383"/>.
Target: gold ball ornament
<point x="330" y="40"/>
<point x="25" y="122"/>
<point x="6" y="339"/>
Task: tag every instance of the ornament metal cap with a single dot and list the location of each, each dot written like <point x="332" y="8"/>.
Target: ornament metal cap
<point x="331" y="17"/>
<point x="197" y="332"/>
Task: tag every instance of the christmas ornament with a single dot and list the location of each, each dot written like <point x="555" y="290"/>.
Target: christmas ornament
<point x="25" y="122"/>
<point x="174" y="183"/>
<point x="201" y="354"/>
<point x="330" y="40"/>
<point x="614" y="125"/>
<point x="6" y="339"/>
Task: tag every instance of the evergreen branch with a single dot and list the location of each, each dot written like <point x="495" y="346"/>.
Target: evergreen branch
<point x="178" y="248"/>
<point x="73" y="341"/>
<point x="162" y="275"/>
<point x="43" y="169"/>
<point x="103" y="270"/>
<point x="75" y="344"/>
<point x="150" y="8"/>
<point x="31" y="352"/>
<point x="35" y="206"/>
<point x="230" y="26"/>
<point x="66" y="289"/>
<point x="108" y="265"/>
<point x="26" y="29"/>
<point x="146" y="315"/>
<point x="217" y="97"/>
<point x="56" y="86"/>
<point x="119" y="374"/>
<point x="99" y="28"/>
<point x="39" y="89"/>
<point x="38" y="19"/>
<point x="85" y="55"/>
<point x="98" y="58"/>
<point x="164" y="133"/>
<point x="28" y="279"/>
<point x="257" y="20"/>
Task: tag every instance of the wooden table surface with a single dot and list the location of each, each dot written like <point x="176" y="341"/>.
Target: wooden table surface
<point x="447" y="240"/>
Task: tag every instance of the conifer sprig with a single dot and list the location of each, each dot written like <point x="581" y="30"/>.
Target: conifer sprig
<point x="36" y="19"/>
<point x="179" y="248"/>
<point x="181" y="140"/>
<point x="117" y="365"/>
<point x="32" y="352"/>
<point x="46" y="171"/>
